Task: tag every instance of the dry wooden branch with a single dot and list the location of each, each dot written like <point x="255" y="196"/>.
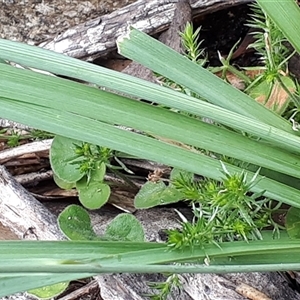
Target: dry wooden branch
<point x="34" y="147"/>
<point x="86" y="290"/>
<point x="23" y="214"/>
<point x="96" y="38"/>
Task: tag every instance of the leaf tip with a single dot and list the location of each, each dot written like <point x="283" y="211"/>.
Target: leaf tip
<point x="123" y="37"/>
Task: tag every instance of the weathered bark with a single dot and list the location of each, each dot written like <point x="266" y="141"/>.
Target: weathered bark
<point x="96" y="38"/>
<point x="13" y="153"/>
<point x="261" y="286"/>
<point x="23" y="217"/>
<point x="182" y="15"/>
<point x="23" y="214"/>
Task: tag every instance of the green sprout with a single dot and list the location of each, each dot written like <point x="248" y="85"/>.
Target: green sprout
<point x="165" y="288"/>
<point x="223" y="211"/>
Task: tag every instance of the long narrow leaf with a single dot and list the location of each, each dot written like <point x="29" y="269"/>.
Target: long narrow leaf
<point x="47" y="262"/>
<point x="28" y="86"/>
<point x="286" y="15"/>
<point x="10" y="284"/>
<point x="163" y="60"/>
<point x="48" y="256"/>
<point x="90" y="130"/>
<point x="60" y="64"/>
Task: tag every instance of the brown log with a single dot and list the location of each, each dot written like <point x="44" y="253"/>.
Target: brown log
<point x="96" y="38"/>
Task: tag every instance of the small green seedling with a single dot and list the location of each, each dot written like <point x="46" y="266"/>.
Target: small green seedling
<point x="81" y="165"/>
<point x="223" y="211"/>
<point x="165" y="288"/>
<point x="14" y="138"/>
<point x="74" y="221"/>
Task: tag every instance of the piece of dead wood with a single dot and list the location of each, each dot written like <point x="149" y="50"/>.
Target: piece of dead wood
<point x="90" y="288"/>
<point x="182" y="15"/>
<point x="197" y="286"/>
<point x="130" y="286"/>
<point x="96" y="38"/>
<point x="31" y="179"/>
<point x="22" y="213"/>
<point x="28" y="148"/>
<point x="250" y="292"/>
<point x="271" y="285"/>
<point x="23" y="217"/>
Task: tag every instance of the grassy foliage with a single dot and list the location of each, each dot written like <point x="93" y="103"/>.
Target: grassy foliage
<point x="253" y="141"/>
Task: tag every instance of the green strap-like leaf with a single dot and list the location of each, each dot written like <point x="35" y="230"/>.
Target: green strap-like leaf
<point x="165" y="61"/>
<point x="27" y="86"/>
<point x="286" y="16"/>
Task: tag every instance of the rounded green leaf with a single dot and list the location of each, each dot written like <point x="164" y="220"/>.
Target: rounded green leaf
<point x="63" y="184"/>
<point x="125" y="227"/>
<point x="74" y="221"/>
<point x="97" y="175"/>
<point x="92" y="195"/>
<point x="149" y="195"/>
<point x="50" y="291"/>
<point x="156" y="193"/>
<point x="292" y="223"/>
<point x="62" y="157"/>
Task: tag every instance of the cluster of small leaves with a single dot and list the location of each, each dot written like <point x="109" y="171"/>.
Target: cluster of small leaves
<point x="88" y="155"/>
<point x="199" y="232"/>
<point x="83" y="166"/>
<point x="269" y="40"/>
<point x="192" y="45"/>
<point x="13" y="138"/>
<point x="165" y="288"/>
<point x="37" y="134"/>
<point x="223" y="211"/>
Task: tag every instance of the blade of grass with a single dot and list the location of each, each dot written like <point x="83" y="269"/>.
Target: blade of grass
<point x="286" y="15"/>
<point x="89" y="270"/>
<point x="12" y="283"/>
<point x="92" y="131"/>
<point x="27" y="86"/>
<point x="74" y="256"/>
<point x="53" y="258"/>
<point x="60" y="64"/>
<point x="151" y="53"/>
